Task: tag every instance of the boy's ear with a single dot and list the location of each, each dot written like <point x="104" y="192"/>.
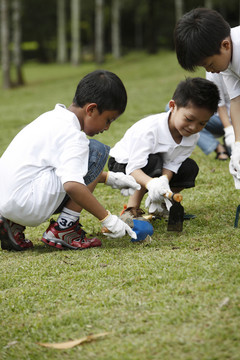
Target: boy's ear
<point x="171" y="104"/>
<point x="90" y="108"/>
<point x="226" y="44"/>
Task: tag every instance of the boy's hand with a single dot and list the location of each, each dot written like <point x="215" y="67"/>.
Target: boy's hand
<point x="126" y="183"/>
<point x="236" y="176"/>
<point x="117" y="228"/>
<point x="158" y="187"/>
<point x="235" y="160"/>
<point x="156" y="206"/>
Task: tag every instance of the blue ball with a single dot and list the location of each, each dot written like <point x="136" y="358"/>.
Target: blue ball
<point x="142" y="228"/>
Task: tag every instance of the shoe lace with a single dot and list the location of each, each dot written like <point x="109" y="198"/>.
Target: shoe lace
<point x="81" y="232"/>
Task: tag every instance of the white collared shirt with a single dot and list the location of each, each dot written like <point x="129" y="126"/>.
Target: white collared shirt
<point x="151" y="135"/>
<point x="231" y="75"/>
<point x="44" y="155"/>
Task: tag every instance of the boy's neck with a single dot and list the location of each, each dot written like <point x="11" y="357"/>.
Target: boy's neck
<point x="78" y="112"/>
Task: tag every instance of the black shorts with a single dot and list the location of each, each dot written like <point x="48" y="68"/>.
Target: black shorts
<point x="185" y="177"/>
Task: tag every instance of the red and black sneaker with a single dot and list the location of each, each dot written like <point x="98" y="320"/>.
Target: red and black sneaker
<point x="73" y="237"/>
<point x="12" y="236"/>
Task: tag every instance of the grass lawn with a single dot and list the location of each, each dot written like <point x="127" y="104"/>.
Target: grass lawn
<point x="176" y="298"/>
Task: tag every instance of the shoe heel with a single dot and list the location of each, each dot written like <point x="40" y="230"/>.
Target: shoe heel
<point x="5" y="245"/>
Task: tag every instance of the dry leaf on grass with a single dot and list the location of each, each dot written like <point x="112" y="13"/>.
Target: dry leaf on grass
<point x="72" y="343"/>
<point x="224" y="302"/>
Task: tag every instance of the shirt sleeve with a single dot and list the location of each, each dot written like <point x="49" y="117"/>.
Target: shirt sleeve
<point x="72" y="153"/>
<point x="141" y="146"/>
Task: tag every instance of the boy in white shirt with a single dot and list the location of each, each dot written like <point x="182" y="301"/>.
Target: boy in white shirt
<point x="51" y="167"/>
<point x="156" y="149"/>
<point x="204" y="38"/>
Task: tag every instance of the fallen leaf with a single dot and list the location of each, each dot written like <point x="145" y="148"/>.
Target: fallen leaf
<point x="224" y="302"/>
<point x="12" y="343"/>
<point x="72" y="343"/>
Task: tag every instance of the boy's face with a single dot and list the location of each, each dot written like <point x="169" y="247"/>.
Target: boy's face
<point x="186" y="121"/>
<point x="95" y="123"/>
<point x="219" y="62"/>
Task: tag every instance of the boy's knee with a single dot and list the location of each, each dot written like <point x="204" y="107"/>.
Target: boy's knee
<point x="98" y="155"/>
<point x="154" y="165"/>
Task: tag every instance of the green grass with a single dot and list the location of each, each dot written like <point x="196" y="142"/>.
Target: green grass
<point x="177" y="298"/>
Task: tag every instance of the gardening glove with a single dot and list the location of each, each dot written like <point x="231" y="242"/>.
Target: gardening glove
<point x="235" y="160"/>
<point x="116" y="227"/>
<point x="126" y="183"/>
<point x="229" y="136"/>
<point x="158" y="187"/>
<point x="236" y="176"/>
<point x="157" y="207"/>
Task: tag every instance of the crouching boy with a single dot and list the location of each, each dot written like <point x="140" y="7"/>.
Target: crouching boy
<point x="52" y="167"/>
<point x="156" y="149"/>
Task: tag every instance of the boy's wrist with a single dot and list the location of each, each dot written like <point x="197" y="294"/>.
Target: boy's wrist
<point x="107" y="176"/>
<point x="108" y="214"/>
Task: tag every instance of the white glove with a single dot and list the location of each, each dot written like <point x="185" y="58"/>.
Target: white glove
<point x="126" y="183"/>
<point x="117" y="228"/>
<point x="157" y="187"/>
<point x="156" y="206"/>
<point x="229" y="136"/>
<point x="236" y="176"/>
<point x="235" y="158"/>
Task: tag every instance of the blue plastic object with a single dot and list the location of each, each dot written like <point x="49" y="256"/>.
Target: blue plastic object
<point x="142" y="228"/>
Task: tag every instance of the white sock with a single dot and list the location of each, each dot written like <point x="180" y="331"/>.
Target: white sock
<point x="67" y="218"/>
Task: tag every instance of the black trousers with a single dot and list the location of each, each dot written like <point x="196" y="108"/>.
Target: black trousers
<point x="185" y="177"/>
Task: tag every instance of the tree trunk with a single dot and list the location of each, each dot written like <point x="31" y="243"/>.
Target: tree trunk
<point x="178" y="9"/>
<point x="17" y="37"/>
<point x="75" y="22"/>
<point x="152" y="40"/>
<point x="99" y="31"/>
<point x="5" y="44"/>
<point x="208" y="4"/>
<point x="61" y="33"/>
<point x="116" y="39"/>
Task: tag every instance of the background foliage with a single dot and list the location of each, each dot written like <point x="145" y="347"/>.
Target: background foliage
<point x="40" y="23"/>
<point x="176" y="299"/>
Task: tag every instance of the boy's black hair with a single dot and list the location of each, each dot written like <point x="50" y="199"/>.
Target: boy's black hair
<point x="197" y="91"/>
<point x="197" y="35"/>
<point x="103" y="88"/>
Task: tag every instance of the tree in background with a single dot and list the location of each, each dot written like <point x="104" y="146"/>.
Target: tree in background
<point x="75" y="26"/>
<point x="11" y="10"/>
<point x="61" y="32"/>
<point x="116" y="35"/>
<point x="17" y="40"/>
<point x="5" y="44"/>
<point x="99" y="32"/>
<point x="178" y="9"/>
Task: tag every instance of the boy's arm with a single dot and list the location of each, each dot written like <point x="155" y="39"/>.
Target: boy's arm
<point x="228" y="128"/>
<point x="223" y="115"/>
<point x="235" y="116"/>
<point x="156" y="186"/>
<point x="142" y="178"/>
<point x="83" y="198"/>
<point x="121" y="181"/>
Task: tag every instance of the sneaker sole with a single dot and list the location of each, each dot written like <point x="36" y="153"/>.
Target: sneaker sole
<point x="7" y="240"/>
<point x="59" y="244"/>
